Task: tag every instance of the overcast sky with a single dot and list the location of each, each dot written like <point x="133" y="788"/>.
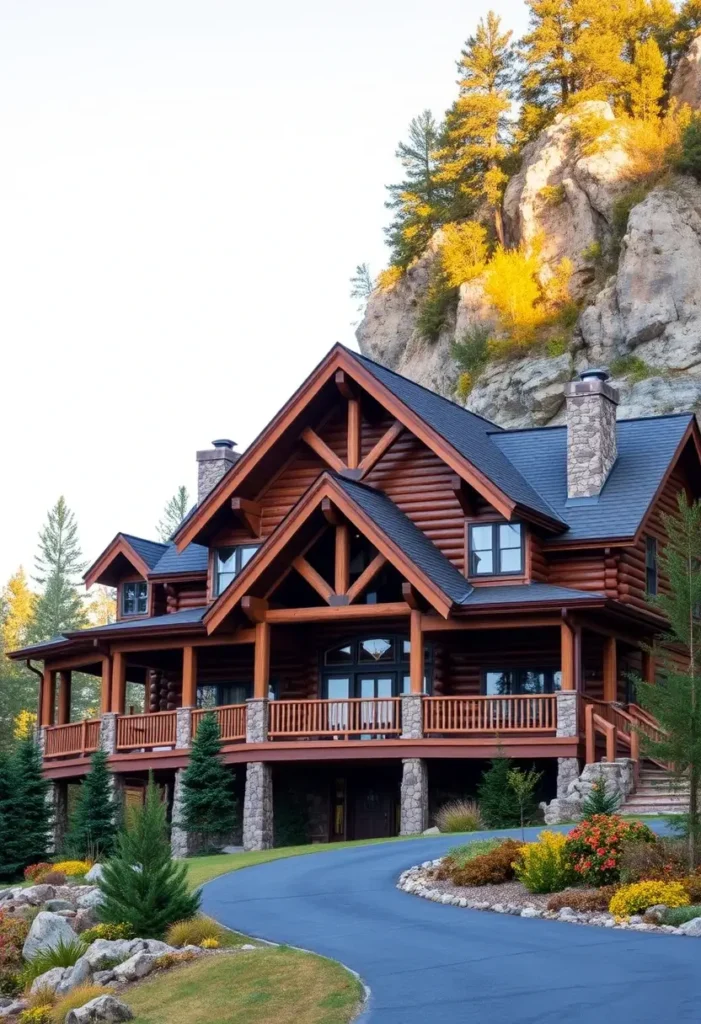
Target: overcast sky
<point x="185" y="190"/>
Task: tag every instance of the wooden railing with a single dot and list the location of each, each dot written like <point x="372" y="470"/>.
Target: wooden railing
<point x="231" y="719"/>
<point x="462" y="715"/>
<point x="621" y="726"/>
<point x="138" y="732"/>
<point x="336" y="719"/>
<point x="78" y="738"/>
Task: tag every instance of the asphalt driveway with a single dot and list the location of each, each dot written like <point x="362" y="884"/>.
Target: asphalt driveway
<point x="431" y="964"/>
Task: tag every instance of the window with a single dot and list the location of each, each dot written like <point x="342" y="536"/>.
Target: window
<point x="512" y="681"/>
<point x="371" y="666"/>
<point x="496" y="549"/>
<point x="651" y="565"/>
<point x="228" y="563"/>
<point x="134" y="598"/>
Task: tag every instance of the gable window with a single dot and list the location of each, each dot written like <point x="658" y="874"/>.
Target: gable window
<point x="496" y="549"/>
<point x="134" y="598"/>
<point x="651" y="565"/>
<point x="228" y="563"/>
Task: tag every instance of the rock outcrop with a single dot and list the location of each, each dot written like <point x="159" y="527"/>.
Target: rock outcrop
<point x="686" y="81"/>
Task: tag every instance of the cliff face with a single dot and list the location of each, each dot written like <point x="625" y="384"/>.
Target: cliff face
<point x="645" y="316"/>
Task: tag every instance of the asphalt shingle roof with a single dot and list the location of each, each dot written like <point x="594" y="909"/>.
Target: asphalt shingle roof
<point x="500" y="594"/>
<point x="193" y="559"/>
<point x="188" y="616"/>
<point x="469" y="434"/>
<point x="417" y="546"/>
<point x="150" y="550"/>
<point x="645" y="449"/>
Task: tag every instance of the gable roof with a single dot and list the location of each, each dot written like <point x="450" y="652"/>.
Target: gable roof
<point x="150" y="550"/>
<point x="193" y="559"/>
<point x="646" y="450"/>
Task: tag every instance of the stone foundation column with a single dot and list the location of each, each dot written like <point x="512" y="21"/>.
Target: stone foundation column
<point x="183" y="727"/>
<point x="58" y="797"/>
<point x="257" y="720"/>
<point x="258" y="806"/>
<point x="412" y="716"/>
<point x="414" y="796"/>
<point x="567" y="767"/>
<point x="108" y="732"/>
<point x="180" y="841"/>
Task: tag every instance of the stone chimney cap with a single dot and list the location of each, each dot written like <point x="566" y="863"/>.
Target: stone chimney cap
<point x="223" y="442"/>
<point x="592" y="373"/>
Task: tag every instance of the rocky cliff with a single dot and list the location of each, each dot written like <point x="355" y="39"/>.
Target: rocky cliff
<point x="640" y="313"/>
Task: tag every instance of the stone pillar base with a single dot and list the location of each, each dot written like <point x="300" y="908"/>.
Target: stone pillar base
<point x="181" y="844"/>
<point x="414" y="797"/>
<point x="58" y="795"/>
<point x="258" y="807"/>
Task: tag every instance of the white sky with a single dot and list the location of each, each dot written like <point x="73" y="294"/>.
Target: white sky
<point x="185" y="190"/>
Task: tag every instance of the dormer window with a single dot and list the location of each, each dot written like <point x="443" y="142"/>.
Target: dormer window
<point x="134" y="598"/>
<point x="228" y="563"/>
<point x="496" y="549"/>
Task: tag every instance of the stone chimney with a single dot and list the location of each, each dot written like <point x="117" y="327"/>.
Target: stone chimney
<point x="212" y="464"/>
<point x="591" y="433"/>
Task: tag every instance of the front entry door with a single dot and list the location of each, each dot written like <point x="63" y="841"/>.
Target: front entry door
<point x="371" y="811"/>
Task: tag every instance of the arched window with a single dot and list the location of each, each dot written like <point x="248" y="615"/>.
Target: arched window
<point x="371" y="666"/>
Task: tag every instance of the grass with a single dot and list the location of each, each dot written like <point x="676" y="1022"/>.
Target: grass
<point x="269" y="986"/>
<point x="680" y="915"/>
<point x="462" y="854"/>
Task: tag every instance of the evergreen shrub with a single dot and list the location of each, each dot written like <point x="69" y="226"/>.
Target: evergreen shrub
<point x="93" y="825"/>
<point x="210" y="809"/>
<point x="498" y="802"/>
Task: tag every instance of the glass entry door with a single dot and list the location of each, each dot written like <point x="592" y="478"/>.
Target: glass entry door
<point x="375" y="712"/>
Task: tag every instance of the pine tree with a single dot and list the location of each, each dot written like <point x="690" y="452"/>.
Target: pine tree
<point x="92" y="827"/>
<point x="498" y="802"/>
<point x="599" y="801"/>
<point x="209" y="805"/>
<point x="362" y="285"/>
<point x="25" y="815"/>
<point x="18" y="686"/>
<point x="173" y="514"/>
<point x="676" y="704"/>
<point x="11" y="845"/>
<point x="476" y="133"/>
<point x="417" y="199"/>
<point x="58" y="566"/>
<point x="142" y="885"/>
<point x="646" y="87"/>
<point x="546" y="51"/>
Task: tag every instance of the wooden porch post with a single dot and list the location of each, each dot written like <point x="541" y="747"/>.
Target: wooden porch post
<point x="353" y="433"/>
<point x="189" y="677"/>
<point x="610" y="669"/>
<point x="106" y="686"/>
<point x="119" y="682"/>
<point x="567" y="657"/>
<point x="64" y="697"/>
<point x="48" y="695"/>
<point x="342" y="566"/>
<point x="261" y="663"/>
<point x="416" y="653"/>
<point x="648" y="667"/>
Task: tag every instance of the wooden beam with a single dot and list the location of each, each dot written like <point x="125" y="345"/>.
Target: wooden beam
<point x="106" y="686"/>
<point x="366" y="577"/>
<point x="567" y="656"/>
<point x="189" y="677"/>
<point x="648" y="667"/>
<point x="354" y="431"/>
<point x="261" y="661"/>
<point x="416" y="653"/>
<point x="241" y="636"/>
<point x="119" y="682"/>
<point x="410" y="596"/>
<point x="460" y="490"/>
<point x="321" y="448"/>
<point x="610" y="669"/>
<point x="317" y="582"/>
<point x="344" y="384"/>
<point x="342" y="560"/>
<point x="379" y="449"/>
<point x="48" y="697"/>
<point x="431" y="623"/>
<point x="64" y="697"/>
<point x="348" y="611"/>
<point x="249" y="512"/>
<point x="330" y="512"/>
<point x="254" y="608"/>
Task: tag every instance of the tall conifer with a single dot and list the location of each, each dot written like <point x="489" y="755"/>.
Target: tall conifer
<point x="209" y="806"/>
<point x="93" y="827"/>
<point x="58" y="567"/>
<point x="416" y="200"/>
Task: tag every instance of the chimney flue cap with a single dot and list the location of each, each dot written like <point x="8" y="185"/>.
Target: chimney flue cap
<point x="223" y="442"/>
<point x="594" y="374"/>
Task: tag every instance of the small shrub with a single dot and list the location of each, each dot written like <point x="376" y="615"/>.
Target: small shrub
<point x="463" y="252"/>
<point x="488" y="869"/>
<point x="438" y="303"/>
<point x="599" y="801"/>
<point x="464" y="386"/>
<point x="622" y="207"/>
<point x="10" y="983"/>
<point x="631" y="366"/>
<point x="37" y="1015"/>
<point x="52" y="878"/>
<point x="32" y="872"/>
<point x="553" y="195"/>
<point x="209" y="944"/>
<point x="583" y="900"/>
<point x="593" y="253"/>
<point x="497" y="800"/>
<point x="63" y="954"/>
<point x="75" y="999"/>
<point x="635" y="898"/>
<point x="689" y="161"/>
<point x="594" y="846"/>
<point x="73" y="867"/>
<point x="680" y="915"/>
<point x="458" y="856"/>
<point x="544" y="866"/>
<point x="556" y="347"/>
<point x="108" y="931"/>
<point x="459" y="816"/>
<point x="194" y="932"/>
<point x="42" y="997"/>
<point x="168" y="960"/>
<point x="13" y="932"/>
<point x="665" y="859"/>
<point x="387" y="278"/>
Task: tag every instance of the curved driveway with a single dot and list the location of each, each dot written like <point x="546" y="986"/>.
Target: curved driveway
<point x="431" y="964"/>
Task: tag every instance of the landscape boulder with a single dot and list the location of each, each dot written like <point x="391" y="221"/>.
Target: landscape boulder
<point x="94" y="875"/>
<point x="103" y="1010"/>
<point x="89" y="900"/>
<point x="77" y="975"/>
<point x="104" y="953"/>
<point x="49" y="981"/>
<point x="85" y="918"/>
<point x="137" y="966"/>
<point x="55" y="905"/>
<point x="692" y="927"/>
<point x="46" y="932"/>
<point x="36" y="895"/>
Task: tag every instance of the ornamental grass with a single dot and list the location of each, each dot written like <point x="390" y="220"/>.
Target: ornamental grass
<point x="459" y="816"/>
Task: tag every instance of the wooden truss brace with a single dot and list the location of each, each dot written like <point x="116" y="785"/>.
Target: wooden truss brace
<point x="342" y="591"/>
<point x="249" y="512"/>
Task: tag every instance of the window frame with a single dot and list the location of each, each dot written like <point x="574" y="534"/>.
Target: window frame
<point x="237" y="549"/>
<point x="140" y="583"/>
<point x="496" y="570"/>
<point x="652" y="572"/>
<point x="517" y="675"/>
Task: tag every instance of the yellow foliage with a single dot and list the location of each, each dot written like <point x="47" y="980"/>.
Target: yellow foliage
<point x="387" y="279"/>
<point x="652" y="146"/>
<point x="209" y="944"/>
<point x="24" y="724"/>
<point x="463" y="252"/>
<point x="646" y="87"/>
<point x="72" y="867"/>
<point x="464" y="386"/>
<point x="19" y="603"/>
<point x="511" y="284"/>
<point x="544" y="866"/>
<point x="631" y="899"/>
<point x="195" y="932"/>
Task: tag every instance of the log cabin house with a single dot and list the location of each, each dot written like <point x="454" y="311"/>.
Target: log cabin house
<point x="378" y="594"/>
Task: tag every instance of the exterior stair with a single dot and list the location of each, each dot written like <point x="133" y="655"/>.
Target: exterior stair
<point x="657" y="792"/>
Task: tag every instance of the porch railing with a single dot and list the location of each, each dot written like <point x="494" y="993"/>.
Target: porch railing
<point x="461" y="715"/>
<point x="339" y="719"/>
<point x="75" y="739"/>
<point x="139" y="732"/>
<point x="231" y="719"/>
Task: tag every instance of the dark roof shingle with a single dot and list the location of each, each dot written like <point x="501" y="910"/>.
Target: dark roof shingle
<point x="149" y="550"/>
<point x="193" y="559"/>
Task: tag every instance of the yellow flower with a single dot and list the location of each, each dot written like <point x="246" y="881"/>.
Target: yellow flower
<point x="632" y="899"/>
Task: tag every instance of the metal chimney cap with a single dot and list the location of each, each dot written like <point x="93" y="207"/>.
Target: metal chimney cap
<point x="595" y="374"/>
<point x="223" y="442"/>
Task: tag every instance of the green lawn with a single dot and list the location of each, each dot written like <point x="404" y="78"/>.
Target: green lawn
<point x="269" y="986"/>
